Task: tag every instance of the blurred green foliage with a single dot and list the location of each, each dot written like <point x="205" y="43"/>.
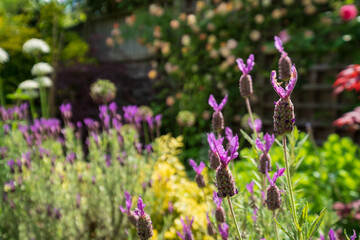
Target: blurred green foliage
<point x="326" y="175"/>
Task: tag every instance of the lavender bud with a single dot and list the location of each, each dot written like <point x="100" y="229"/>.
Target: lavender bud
<point x="273" y="200"/>
<point x="284" y="116"/>
<point x="200" y="181"/>
<point x="144" y="227"/>
<point x="214" y="160"/>
<point x="211" y="229"/>
<point x="225" y="182"/>
<point x="217" y="121"/>
<point x="245" y="85"/>
<point x="285" y="68"/>
<point x="133" y="218"/>
<point x="220" y="214"/>
<point x="265" y="160"/>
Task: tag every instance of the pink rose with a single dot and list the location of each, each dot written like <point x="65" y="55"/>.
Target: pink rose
<point x="348" y="12"/>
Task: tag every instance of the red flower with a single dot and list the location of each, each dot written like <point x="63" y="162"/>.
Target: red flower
<point x="350" y="119"/>
<point x="348" y="79"/>
<point x="348" y="12"/>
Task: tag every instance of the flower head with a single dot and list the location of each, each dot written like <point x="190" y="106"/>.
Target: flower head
<point x="4" y="56"/>
<point x="348" y="79"/>
<point x="348" y="12"/>
<point x="130" y="112"/>
<point x="213" y="141"/>
<point x="279" y="173"/>
<point x="197" y="168"/>
<point x="224" y="231"/>
<point x="28" y="85"/>
<point x="284" y="93"/>
<point x="269" y="140"/>
<point x="41" y="69"/>
<point x="217" y="107"/>
<point x="230" y="154"/>
<point x="187" y="232"/>
<point x="140" y="208"/>
<point x="332" y="234"/>
<point x="34" y="46"/>
<point x="246" y="68"/>
<point x="158" y="120"/>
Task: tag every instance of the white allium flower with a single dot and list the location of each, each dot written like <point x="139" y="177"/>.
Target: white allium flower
<point x="4" y="56"/>
<point x="44" y="81"/>
<point x="28" y="84"/>
<point x="41" y="69"/>
<point x="36" y="45"/>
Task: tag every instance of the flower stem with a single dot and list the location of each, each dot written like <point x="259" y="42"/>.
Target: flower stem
<point x="251" y="116"/>
<point x="2" y="96"/>
<point x="233" y="216"/>
<point x="275" y="226"/>
<point x="288" y="180"/>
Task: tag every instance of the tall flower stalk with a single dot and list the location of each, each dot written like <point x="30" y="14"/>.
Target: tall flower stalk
<point x="245" y="85"/>
<point x="284" y="116"/>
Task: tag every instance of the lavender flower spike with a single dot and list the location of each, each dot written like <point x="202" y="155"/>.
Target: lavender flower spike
<point x="245" y="82"/>
<point x="214" y="159"/>
<point x="224" y="231"/>
<point x="187" y="232"/>
<point x="198" y="169"/>
<point x="217" y="118"/>
<point x="353" y="237"/>
<point x="273" y="200"/>
<point x="219" y="211"/>
<point x="224" y="179"/>
<point x="144" y="224"/>
<point x="265" y="159"/>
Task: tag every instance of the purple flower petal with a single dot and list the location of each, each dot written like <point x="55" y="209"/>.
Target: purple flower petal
<point x="217" y="200"/>
<point x="223" y="102"/>
<point x="234" y="146"/>
<point x="224" y="231"/>
<point x="212" y="102"/>
<point x="250" y="187"/>
<point x="141" y="206"/>
<point x="245" y="69"/>
<point x="193" y="164"/>
<point x="257" y="123"/>
<point x="332" y="235"/>
<point x="260" y="145"/>
<point x="278" y="89"/>
<point x="229" y="133"/>
<point x="290" y="87"/>
<point x="123" y="210"/>
<point x="128" y="200"/>
<point x="269" y="140"/>
<point x="279" y="45"/>
<point x="353" y="236"/>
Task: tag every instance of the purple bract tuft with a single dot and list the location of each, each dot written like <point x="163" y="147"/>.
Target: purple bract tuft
<point x="245" y="69"/>
<point x="214" y="105"/>
<point x="284" y="93"/>
<point x="269" y="140"/>
<point x="197" y="169"/>
<point x="224" y="231"/>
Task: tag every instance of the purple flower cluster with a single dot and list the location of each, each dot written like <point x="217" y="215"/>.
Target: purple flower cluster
<point x="187" y="232"/>
<point x="14" y="113"/>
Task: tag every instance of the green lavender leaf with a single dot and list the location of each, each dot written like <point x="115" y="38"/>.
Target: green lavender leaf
<point x="247" y="137"/>
<point x="316" y="224"/>
<point x="304" y="214"/>
<point x="283" y="229"/>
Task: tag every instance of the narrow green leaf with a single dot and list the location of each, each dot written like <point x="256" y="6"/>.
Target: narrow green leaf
<point x="316" y="224"/>
<point x="304" y="215"/>
<point x="247" y="137"/>
<point x="302" y="141"/>
<point x="296" y="133"/>
<point x="283" y="229"/>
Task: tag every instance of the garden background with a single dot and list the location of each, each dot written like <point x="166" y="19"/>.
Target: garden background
<point x="167" y="57"/>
